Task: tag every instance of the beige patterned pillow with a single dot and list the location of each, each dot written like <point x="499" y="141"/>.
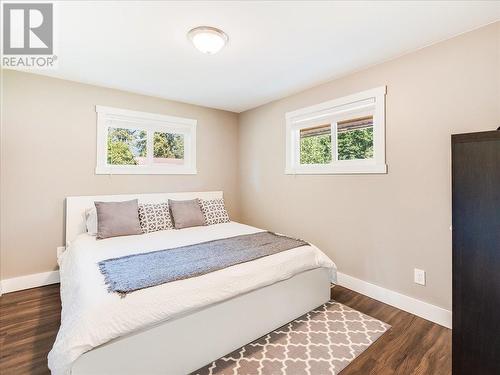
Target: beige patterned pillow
<point x="154" y="217"/>
<point x="214" y="211"/>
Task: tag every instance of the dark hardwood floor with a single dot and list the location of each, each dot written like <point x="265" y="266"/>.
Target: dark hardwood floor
<point x="29" y="321"/>
<point x="412" y="346"/>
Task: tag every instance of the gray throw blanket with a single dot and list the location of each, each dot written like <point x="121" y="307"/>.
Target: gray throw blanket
<point x="133" y="272"/>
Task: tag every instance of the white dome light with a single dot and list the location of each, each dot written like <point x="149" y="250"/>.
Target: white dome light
<point x="208" y="39"/>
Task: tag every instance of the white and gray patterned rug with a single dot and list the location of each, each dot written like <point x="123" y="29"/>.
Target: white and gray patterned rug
<point x="324" y="341"/>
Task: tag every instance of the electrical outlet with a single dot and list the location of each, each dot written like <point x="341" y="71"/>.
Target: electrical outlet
<point x="419" y="276"/>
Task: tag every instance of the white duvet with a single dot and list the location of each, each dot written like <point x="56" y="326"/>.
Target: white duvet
<point x="92" y="316"/>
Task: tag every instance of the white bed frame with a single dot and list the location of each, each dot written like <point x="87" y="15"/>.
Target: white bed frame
<point x="186" y="343"/>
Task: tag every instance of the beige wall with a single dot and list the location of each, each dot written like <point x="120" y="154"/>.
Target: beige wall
<point x="49" y="152"/>
<point x="375" y="227"/>
<point x="379" y="227"/>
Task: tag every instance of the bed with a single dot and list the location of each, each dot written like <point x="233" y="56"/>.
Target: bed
<point x="177" y="327"/>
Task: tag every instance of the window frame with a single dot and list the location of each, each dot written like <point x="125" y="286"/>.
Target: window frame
<point x="110" y="117"/>
<point x="367" y="103"/>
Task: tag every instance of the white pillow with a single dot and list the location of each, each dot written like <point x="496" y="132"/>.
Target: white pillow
<point x="91" y="221"/>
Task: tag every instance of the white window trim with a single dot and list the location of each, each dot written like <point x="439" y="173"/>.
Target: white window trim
<point x="332" y="110"/>
<point x="150" y="122"/>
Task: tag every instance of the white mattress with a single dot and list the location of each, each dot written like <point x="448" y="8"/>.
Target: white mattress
<point x="92" y="316"/>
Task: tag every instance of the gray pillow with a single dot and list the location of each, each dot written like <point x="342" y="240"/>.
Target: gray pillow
<point x="117" y="219"/>
<point x="186" y="214"/>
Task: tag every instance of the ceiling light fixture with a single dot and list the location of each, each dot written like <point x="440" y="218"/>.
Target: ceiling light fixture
<point x="209" y="40"/>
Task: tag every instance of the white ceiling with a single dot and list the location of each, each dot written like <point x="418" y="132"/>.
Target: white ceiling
<point x="275" y="48"/>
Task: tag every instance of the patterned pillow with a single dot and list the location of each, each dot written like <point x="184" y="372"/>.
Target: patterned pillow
<point x="154" y="217"/>
<point x="214" y="211"/>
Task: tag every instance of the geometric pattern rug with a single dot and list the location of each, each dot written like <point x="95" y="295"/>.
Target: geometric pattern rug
<point x="323" y="341"/>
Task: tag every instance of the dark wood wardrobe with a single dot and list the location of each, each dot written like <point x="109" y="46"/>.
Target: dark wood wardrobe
<point x="476" y="253"/>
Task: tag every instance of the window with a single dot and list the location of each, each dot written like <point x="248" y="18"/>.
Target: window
<point x="316" y="145"/>
<point x="130" y="142"/>
<point x="355" y="139"/>
<point x="345" y="135"/>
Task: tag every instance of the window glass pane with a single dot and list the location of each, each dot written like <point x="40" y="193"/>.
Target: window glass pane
<point x="355" y="138"/>
<point x="168" y="148"/>
<point x="316" y="145"/>
<point x="126" y="146"/>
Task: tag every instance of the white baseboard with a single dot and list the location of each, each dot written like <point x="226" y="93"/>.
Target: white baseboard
<point x="412" y="305"/>
<point x="29" y="281"/>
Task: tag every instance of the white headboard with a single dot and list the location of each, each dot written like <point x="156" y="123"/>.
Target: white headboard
<point x="76" y="206"/>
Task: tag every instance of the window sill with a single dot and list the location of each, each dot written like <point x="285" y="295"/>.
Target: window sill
<point x="338" y="169"/>
<point x="144" y="170"/>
